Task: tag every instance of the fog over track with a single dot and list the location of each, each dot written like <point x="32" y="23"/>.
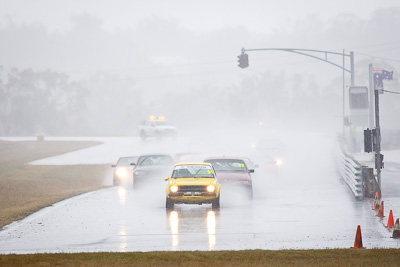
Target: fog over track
<point x="303" y="205"/>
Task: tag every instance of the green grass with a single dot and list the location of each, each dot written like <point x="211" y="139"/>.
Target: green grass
<point x="329" y="257"/>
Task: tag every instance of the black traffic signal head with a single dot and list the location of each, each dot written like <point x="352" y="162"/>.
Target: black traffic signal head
<point x="243" y="60"/>
<point x="368" y="140"/>
<point x="379" y="161"/>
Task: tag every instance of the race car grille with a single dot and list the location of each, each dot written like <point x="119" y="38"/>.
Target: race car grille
<point x="192" y="188"/>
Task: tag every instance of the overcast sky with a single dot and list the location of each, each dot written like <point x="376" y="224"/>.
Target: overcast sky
<point x="256" y="15"/>
<point x="175" y="48"/>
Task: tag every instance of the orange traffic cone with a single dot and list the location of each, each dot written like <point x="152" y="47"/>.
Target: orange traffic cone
<point x="377" y="202"/>
<point x="380" y="211"/>
<point x="396" y="232"/>
<point x="390" y="223"/>
<point x="358" y="241"/>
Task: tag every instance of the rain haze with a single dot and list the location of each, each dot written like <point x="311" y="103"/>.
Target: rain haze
<point x="132" y="59"/>
<point x="96" y="70"/>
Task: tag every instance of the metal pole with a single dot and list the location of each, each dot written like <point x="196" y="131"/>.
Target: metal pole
<point x="304" y="52"/>
<point x="344" y="85"/>
<point x="371" y="96"/>
<point x="352" y="68"/>
<point x="378" y="141"/>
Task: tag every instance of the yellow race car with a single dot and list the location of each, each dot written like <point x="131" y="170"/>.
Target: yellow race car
<point x="193" y="183"/>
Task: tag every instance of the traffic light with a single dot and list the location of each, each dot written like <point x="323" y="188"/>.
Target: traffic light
<point x="374" y="140"/>
<point x="368" y="140"/>
<point x="379" y="159"/>
<point x="243" y="60"/>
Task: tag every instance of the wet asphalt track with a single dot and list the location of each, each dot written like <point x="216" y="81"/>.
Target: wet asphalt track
<point x="303" y="205"/>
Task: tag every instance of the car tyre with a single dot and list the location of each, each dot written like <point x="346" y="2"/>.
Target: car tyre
<point x="134" y="185"/>
<point x="250" y="193"/>
<point x="143" y="135"/>
<point x="215" y="203"/>
<point x="169" y="204"/>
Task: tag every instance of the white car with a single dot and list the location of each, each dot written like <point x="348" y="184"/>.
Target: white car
<point x="157" y="127"/>
<point x="123" y="169"/>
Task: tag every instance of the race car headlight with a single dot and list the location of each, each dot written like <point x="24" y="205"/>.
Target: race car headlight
<point x="278" y="162"/>
<point x="173" y="188"/>
<point x="210" y="188"/>
<point x="121" y="172"/>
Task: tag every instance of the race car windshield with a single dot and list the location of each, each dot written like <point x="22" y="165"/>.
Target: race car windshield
<point x="192" y="172"/>
<point x="155" y="160"/>
<point x="228" y="165"/>
<point x="126" y="161"/>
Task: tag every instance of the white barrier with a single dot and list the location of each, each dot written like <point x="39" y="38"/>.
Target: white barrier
<point x="351" y="172"/>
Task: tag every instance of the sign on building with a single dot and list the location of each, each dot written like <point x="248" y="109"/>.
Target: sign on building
<point x="359" y="105"/>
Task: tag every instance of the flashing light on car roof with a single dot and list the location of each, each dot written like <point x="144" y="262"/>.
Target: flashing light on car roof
<point x="153" y="118"/>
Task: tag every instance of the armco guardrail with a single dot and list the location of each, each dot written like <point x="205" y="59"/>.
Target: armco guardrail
<point x="351" y="172"/>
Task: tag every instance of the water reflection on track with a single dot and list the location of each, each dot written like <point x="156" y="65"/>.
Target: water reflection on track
<point x="191" y="221"/>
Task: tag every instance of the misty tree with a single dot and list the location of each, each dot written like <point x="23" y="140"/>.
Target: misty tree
<point x="3" y="101"/>
<point x="261" y="97"/>
<point x="278" y="99"/>
<point x="114" y="106"/>
<point x="170" y="63"/>
<point x="242" y="101"/>
<point x="43" y="102"/>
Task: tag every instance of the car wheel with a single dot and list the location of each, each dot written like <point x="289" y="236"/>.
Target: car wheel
<point x="169" y="204"/>
<point x="215" y="203"/>
<point x="143" y="135"/>
<point x="250" y="193"/>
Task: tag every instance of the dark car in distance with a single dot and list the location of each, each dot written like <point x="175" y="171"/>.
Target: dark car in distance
<point x="152" y="167"/>
<point x="233" y="171"/>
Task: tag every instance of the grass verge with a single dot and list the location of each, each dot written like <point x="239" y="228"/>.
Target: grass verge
<point x="25" y="188"/>
<point x="329" y="257"/>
